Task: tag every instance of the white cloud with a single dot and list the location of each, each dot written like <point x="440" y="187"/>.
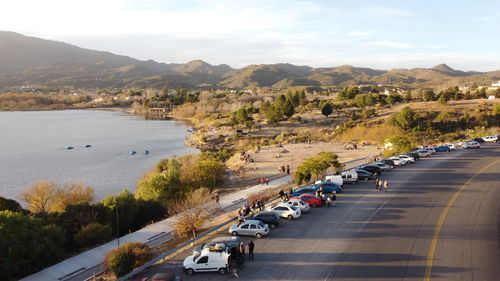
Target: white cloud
<point x="390" y="44"/>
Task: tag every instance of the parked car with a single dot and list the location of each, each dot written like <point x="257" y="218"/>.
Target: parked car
<point x="388" y="162"/>
<point x="491" y="138"/>
<point x="384" y="167"/>
<point x="408" y="159"/>
<point x="350" y="176"/>
<point x="364" y="174"/>
<point x="423" y="153"/>
<point x="303" y="206"/>
<point x="479" y="140"/>
<point x="335" y="179"/>
<point x="471" y="144"/>
<point x="372" y="169"/>
<point x="310" y="199"/>
<point x="442" y="148"/>
<point x="430" y="149"/>
<point x="269" y="218"/>
<point x="228" y="242"/>
<point x="207" y="261"/>
<point x="414" y="155"/>
<point x="451" y="146"/>
<point x="303" y="190"/>
<point x="327" y="187"/>
<point x="162" y="277"/>
<point x="284" y="211"/>
<point x="250" y="227"/>
<point x="399" y="161"/>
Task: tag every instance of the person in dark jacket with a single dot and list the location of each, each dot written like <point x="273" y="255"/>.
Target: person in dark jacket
<point x="251" y="245"/>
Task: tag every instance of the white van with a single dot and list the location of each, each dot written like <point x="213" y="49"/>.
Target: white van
<point x="207" y="261"/>
<point x="336" y="179"/>
<point x="349" y="177"/>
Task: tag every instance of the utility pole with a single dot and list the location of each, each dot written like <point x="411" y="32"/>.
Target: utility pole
<point x="117" y="223"/>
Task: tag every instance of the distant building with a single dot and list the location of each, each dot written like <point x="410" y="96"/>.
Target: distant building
<point x="496" y="84"/>
<point x="491" y="97"/>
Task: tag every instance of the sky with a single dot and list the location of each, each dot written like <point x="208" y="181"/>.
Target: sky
<point x="378" y="34"/>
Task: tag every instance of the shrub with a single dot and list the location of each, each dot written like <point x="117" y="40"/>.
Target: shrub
<point x="125" y="258"/>
<point x="93" y="234"/>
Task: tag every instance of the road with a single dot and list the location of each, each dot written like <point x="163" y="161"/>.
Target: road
<point x="439" y="221"/>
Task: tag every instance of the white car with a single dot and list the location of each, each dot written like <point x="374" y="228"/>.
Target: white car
<point x="491" y="138"/>
<point x="451" y="146"/>
<point x="423" y="153"/>
<point x="250" y="227"/>
<point x="304" y="207"/>
<point x="398" y="161"/>
<point x="471" y="144"/>
<point x="349" y="176"/>
<point x="383" y="167"/>
<point x="207" y="261"/>
<point x="409" y="159"/>
<point x="430" y="149"/>
<point x="289" y="212"/>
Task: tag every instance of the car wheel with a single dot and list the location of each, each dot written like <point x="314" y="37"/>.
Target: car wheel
<point x="290" y="217"/>
<point x="258" y="235"/>
<point x="272" y="225"/>
<point x="222" y="270"/>
<point x="234" y="233"/>
<point x="190" y="271"/>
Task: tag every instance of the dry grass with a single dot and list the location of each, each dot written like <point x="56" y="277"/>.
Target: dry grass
<point x="375" y="133"/>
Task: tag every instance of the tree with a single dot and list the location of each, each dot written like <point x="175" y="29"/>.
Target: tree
<point x="327" y="109"/>
<point x="93" y="234"/>
<point x="496" y="109"/>
<point x="367" y="113"/>
<point x="408" y="96"/>
<point x="125" y="258"/>
<point x="442" y="100"/>
<point x="41" y="196"/>
<point x="316" y="166"/>
<point x="400" y="144"/>
<point x="429" y="95"/>
<point x="72" y="194"/>
<point x="288" y="110"/>
<point x="10" y="205"/>
<point x="26" y="245"/>
<point x="163" y="187"/>
<point x="273" y="114"/>
<point x="406" y="119"/>
<point x="193" y="212"/>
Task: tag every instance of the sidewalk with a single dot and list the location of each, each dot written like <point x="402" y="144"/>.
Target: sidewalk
<point x="84" y="265"/>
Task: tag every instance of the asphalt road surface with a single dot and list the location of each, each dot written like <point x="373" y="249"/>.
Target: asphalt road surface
<point x="439" y="220"/>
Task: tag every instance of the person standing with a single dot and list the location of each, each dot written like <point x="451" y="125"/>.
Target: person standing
<point x="241" y="217"/>
<point x="262" y="206"/>
<point x="262" y="180"/>
<point x="251" y="246"/>
<point x="217" y="199"/>
<point x="282" y="194"/>
<point x="334" y="200"/>
<point x="267" y="180"/>
<point x="376" y="183"/>
<point x="380" y="184"/>
<point x="287" y="169"/>
<point x="328" y="201"/>
<point x="386" y="185"/>
<point x="242" y="250"/>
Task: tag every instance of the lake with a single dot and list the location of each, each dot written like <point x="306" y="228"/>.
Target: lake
<point x="33" y="146"/>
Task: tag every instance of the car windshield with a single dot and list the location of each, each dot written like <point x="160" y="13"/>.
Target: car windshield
<point x="196" y="256"/>
<point x="261" y="224"/>
<point x="293" y="208"/>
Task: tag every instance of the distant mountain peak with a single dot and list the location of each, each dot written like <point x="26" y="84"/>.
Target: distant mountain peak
<point x="443" y="67"/>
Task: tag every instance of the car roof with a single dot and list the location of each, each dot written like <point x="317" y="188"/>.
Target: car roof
<point x="265" y="213"/>
<point x="225" y="239"/>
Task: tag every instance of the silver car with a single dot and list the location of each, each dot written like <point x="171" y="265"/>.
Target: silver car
<point x="250" y="227"/>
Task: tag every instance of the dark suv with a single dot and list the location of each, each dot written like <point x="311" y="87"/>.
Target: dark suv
<point x="269" y="218"/>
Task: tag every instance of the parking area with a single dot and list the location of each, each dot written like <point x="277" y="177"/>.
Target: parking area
<point x="370" y="234"/>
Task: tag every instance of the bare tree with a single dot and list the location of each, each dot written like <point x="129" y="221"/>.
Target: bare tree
<point x="41" y="195"/>
<point x="73" y="193"/>
<point x="193" y="212"/>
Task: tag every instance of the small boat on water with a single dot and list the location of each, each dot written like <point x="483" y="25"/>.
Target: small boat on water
<point x="69" y="147"/>
<point x="133" y="152"/>
<point x="146" y="152"/>
<point x="88" y="146"/>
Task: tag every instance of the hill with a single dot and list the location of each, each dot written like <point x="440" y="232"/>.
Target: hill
<point x="30" y="61"/>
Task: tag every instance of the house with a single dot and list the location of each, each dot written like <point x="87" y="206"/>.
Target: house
<point x="496" y="84"/>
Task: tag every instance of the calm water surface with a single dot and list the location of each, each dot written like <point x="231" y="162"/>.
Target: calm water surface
<point x="33" y="146"/>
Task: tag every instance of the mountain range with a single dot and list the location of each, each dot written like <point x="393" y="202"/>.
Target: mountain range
<point x="30" y="61"/>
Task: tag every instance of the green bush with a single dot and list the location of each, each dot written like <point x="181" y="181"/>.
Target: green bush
<point x="125" y="258"/>
<point x="93" y="234"/>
